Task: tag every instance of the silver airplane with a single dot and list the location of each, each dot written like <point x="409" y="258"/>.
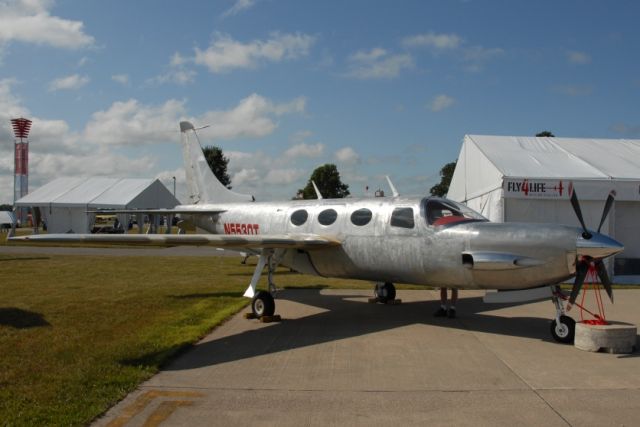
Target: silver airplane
<point x="426" y="241"/>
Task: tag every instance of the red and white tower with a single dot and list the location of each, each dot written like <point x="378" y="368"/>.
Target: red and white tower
<point x="21" y="129"/>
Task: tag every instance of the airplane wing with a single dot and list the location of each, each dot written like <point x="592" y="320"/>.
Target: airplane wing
<point x="181" y="210"/>
<point x="285" y="241"/>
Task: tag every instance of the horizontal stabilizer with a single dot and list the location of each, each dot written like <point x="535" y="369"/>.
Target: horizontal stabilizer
<point x="287" y="241"/>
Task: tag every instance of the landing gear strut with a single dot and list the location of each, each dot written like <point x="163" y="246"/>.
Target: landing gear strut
<point x="385" y="292"/>
<point x="262" y="303"/>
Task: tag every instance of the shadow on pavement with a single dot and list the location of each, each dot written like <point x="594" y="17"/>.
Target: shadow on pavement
<point x="346" y="316"/>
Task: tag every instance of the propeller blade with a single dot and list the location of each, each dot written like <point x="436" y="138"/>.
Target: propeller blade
<point x="604" y="278"/>
<point x="576" y="208"/>
<point x="582" y="267"/>
<point x="607" y="207"/>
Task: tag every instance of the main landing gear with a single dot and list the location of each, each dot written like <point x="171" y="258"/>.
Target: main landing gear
<point x="385" y="292"/>
<point x="263" y="303"/>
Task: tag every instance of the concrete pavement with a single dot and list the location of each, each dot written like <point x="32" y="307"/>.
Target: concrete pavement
<point x="337" y="360"/>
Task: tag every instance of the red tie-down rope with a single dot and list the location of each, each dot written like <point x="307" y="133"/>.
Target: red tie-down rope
<point x="592" y="279"/>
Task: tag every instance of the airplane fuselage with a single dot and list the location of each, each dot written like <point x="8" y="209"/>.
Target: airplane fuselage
<point x="396" y="240"/>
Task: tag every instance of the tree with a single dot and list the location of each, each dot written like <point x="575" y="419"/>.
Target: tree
<point x="4" y="207"/>
<point x="218" y="164"/>
<point x="545" y="133"/>
<point x="446" y="173"/>
<point x="327" y="178"/>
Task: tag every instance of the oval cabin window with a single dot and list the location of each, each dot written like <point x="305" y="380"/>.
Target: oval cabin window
<point x="361" y="217"/>
<point x="299" y="217"/>
<point x="327" y="217"/>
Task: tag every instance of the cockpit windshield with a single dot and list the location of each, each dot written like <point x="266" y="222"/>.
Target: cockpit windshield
<point x="444" y="212"/>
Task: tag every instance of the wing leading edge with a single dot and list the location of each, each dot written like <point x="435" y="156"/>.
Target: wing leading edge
<point x="285" y="241"/>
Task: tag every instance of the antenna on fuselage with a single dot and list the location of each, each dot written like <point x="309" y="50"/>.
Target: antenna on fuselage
<point x="315" y="187"/>
<point x="394" y="192"/>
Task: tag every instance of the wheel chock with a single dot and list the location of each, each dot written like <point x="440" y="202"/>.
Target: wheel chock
<point x="264" y="319"/>
<point x="270" y="319"/>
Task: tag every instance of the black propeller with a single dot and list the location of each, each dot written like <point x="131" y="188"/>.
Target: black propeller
<point x="576" y="208"/>
<point x="582" y="268"/>
<point x="607" y="207"/>
<point x="604" y="278"/>
<point x="582" y="265"/>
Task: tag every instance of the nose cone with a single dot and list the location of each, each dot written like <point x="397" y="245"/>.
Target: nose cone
<point x="598" y="246"/>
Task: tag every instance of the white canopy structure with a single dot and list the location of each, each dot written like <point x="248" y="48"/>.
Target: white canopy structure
<point x="64" y="202"/>
<point x="6" y="220"/>
<point x="528" y="179"/>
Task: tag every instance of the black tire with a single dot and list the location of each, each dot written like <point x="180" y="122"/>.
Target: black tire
<point x="263" y="304"/>
<point x="565" y="331"/>
<point x="386" y="292"/>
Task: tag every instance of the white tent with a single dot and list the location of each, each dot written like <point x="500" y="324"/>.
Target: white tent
<point x="64" y="202"/>
<point x="527" y="179"/>
<point x="6" y="220"/>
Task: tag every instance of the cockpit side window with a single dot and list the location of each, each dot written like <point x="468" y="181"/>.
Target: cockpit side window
<point x="402" y="217"/>
<point x="441" y="212"/>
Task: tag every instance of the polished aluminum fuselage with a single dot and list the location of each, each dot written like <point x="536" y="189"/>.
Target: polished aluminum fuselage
<point x="470" y="255"/>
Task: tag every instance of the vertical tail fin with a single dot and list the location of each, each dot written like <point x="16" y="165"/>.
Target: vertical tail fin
<point x="202" y="184"/>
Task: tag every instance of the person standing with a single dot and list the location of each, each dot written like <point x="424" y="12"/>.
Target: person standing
<point x="447" y="310"/>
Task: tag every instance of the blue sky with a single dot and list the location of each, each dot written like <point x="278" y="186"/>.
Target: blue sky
<point x="377" y="87"/>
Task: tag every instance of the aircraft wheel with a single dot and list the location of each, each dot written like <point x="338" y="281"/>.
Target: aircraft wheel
<point x="263" y="304"/>
<point x="386" y="292"/>
<point x="564" y="331"/>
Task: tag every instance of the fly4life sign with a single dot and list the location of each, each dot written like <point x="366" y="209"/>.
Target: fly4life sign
<point x="560" y="189"/>
<point x="533" y="188"/>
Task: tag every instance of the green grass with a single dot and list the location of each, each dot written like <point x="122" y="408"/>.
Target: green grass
<point x="79" y="333"/>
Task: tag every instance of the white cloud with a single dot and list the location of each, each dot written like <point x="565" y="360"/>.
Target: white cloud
<point x="72" y="82"/>
<point x="123" y="79"/>
<point x="180" y="76"/>
<point x="29" y="21"/>
<point x="239" y="6"/>
<point x="283" y="176"/>
<point x="131" y="122"/>
<point x="225" y="54"/>
<point x="300" y="136"/>
<point x="579" y="58"/>
<point x="433" y="41"/>
<point x="252" y="117"/>
<point x="9" y="103"/>
<point x="347" y="155"/>
<point x="178" y="72"/>
<point x="304" y="150"/>
<point x="377" y="63"/>
<point x="441" y="102"/>
<point x="480" y="54"/>
<point x="473" y="55"/>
